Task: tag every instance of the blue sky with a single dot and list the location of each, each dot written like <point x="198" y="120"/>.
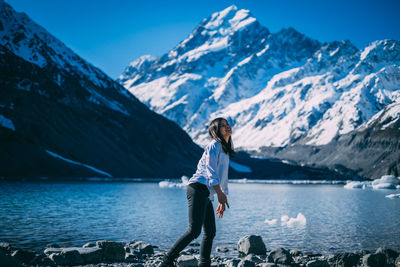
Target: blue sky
<point x="110" y="34"/>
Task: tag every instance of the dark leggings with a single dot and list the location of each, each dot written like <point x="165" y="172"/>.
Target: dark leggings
<point x="201" y="213"/>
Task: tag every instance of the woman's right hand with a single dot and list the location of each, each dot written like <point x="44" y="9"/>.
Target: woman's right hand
<point x="222" y="199"/>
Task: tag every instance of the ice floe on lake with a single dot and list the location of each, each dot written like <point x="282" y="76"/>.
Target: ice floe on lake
<point x="170" y="184"/>
<point x="393" y="196"/>
<point x="271" y="222"/>
<point x="385" y="182"/>
<point x="282" y="181"/>
<point x="300" y="220"/>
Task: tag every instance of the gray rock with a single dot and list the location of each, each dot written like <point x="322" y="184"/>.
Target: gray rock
<point x="187" y="261"/>
<point x="390" y="254"/>
<point x="194" y="244"/>
<point x="91" y="254"/>
<point x="41" y="260"/>
<point x="232" y="263"/>
<point x="280" y="256"/>
<point x="254" y="258"/>
<point x="112" y="250"/>
<point x="362" y="252"/>
<point x="317" y="263"/>
<point x="24" y="256"/>
<point x="67" y="257"/>
<point x="374" y="260"/>
<point x="142" y="247"/>
<point x="344" y="259"/>
<point x="268" y="264"/>
<point x="89" y="245"/>
<point x="397" y="262"/>
<point x="222" y="249"/>
<point x="295" y="253"/>
<point x="251" y="244"/>
<point x="190" y="251"/>
<point x="246" y="263"/>
<point x="6" y="247"/>
<point x="7" y="260"/>
<point x="49" y="251"/>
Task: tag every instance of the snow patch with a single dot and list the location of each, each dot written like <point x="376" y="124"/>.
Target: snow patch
<point x="239" y="167"/>
<point x="6" y="123"/>
<point x="78" y="163"/>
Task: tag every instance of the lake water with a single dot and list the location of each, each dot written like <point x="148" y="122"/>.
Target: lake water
<point x="71" y="214"/>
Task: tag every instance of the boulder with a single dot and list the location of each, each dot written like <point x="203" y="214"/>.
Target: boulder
<point x="268" y="264"/>
<point x="222" y="249"/>
<point x="89" y="245"/>
<point x="374" y="260"/>
<point x="232" y="263"/>
<point x="142" y="247"/>
<point x="246" y="263"/>
<point x="113" y="251"/>
<point x="88" y="255"/>
<point x="397" y="262"/>
<point x="24" y="256"/>
<point x="280" y="256"/>
<point x="7" y="260"/>
<point x="6" y="247"/>
<point x="254" y="258"/>
<point x="67" y="257"/>
<point x="251" y="244"/>
<point x="344" y="259"/>
<point x="390" y="254"/>
<point x="42" y="260"/>
<point x="295" y="253"/>
<point x="187" y="261"/>
<point x="91" y="254"/>
<point x="49" y="251"/>
<point x="317" y="263"/>
<point x="189" y="251"/>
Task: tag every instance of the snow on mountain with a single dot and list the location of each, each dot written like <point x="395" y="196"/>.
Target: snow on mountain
<point x="276" y="89"/>
<point x="62" y="118"/>
<point x="28" y="40"/>
<point x="229" y="57"/>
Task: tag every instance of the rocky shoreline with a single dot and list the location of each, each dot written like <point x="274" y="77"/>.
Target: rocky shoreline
<point x="251" y="252"/>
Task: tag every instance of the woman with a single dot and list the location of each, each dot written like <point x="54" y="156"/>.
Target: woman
<point x="210" y="178"/>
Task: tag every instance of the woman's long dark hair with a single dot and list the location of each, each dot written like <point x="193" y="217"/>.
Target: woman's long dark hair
<point x="213" y="131"/>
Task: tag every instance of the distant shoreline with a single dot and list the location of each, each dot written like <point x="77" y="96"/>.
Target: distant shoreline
<point x="156" y="180"/>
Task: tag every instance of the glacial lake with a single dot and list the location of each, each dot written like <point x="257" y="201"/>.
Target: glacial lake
<point x="332" y="218"/>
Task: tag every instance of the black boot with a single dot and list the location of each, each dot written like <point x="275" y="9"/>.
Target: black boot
<point x="168" y="261"/>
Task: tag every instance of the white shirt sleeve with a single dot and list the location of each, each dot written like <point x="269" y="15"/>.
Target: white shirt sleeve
<point x="212" y="165"/>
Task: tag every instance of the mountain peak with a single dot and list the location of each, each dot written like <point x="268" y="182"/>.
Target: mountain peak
<point x="230" y="18"/>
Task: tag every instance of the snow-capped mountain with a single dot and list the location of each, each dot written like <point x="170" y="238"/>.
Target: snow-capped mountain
<point x="372" y="149"/>
<point x="276" y="89"/>
<point x="61" y="117"/>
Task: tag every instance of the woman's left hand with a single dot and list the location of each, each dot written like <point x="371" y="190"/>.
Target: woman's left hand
<point x="220" y="210"/>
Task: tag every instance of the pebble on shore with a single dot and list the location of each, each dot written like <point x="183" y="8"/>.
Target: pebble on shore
<point x="251" y="249"/>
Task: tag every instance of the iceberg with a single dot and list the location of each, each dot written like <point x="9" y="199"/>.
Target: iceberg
<point x="385" y="182"/>
<point x="271" y="222"/>
<point x="355" y="184"/>
<point x="393" y="196"/>
<point x="300" y="220"/>
<point x="171" y="184"/>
